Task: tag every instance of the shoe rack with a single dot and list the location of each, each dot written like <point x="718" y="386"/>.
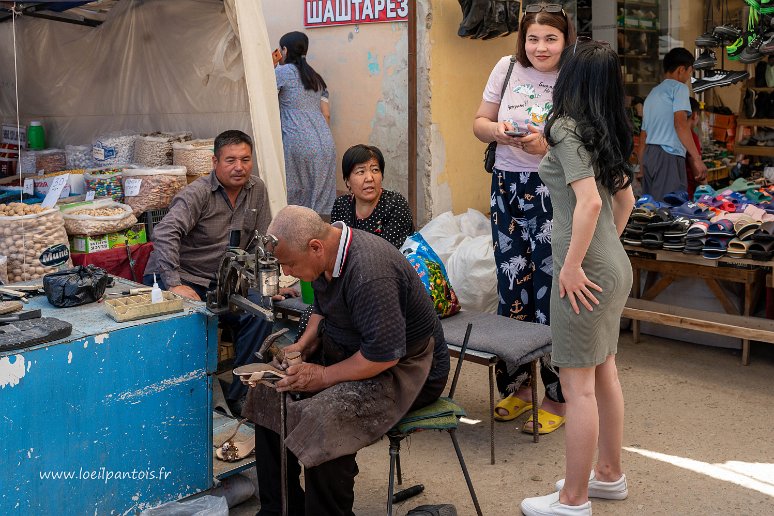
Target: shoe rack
<point x="754" y="123"/>
<point x="638" y="45"/>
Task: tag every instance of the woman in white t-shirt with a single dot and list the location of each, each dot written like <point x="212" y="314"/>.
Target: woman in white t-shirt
<point x="520" y="203"/>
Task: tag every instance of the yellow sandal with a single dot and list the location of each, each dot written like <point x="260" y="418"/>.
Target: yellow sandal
<point x="514" y="406"/>
<point x="547" y="422"/>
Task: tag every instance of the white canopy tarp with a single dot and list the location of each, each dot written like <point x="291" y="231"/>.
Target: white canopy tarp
<point x="155" y="65"/>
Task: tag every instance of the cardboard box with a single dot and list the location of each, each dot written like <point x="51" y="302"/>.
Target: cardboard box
<point x="722" y="121"/>
<point x="92" y="244"/>
<point x="720" y="134"/>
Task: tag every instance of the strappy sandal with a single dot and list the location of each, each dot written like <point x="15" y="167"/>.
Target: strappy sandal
<point x="234" y="451"/>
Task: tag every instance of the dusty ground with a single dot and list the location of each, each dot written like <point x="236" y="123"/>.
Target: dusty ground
<point x="698" y="441"/>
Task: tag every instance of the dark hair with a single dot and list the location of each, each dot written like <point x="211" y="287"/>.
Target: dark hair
<point x="358" y="154"/>
<point x="676" y="58"/>
<point x="556" y="20"/>
<point x="297" y="45"/>
<point x="231" y="137"/>
<point x="589" y="90"/>
<point x="695" y="106"/>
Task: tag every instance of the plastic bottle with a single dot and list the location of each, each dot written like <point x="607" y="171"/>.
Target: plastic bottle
<point x="156" y="295"/>
<point x="36" y="138"/>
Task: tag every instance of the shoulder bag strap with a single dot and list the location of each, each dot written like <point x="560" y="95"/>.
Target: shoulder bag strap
<point x="507" y="78"/>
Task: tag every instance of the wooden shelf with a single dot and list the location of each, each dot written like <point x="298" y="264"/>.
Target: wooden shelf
<point x="756" y="121"/>
<point x="754" y="150"/>
<point x="635" y="29"/>
<point x="623" y="3"/>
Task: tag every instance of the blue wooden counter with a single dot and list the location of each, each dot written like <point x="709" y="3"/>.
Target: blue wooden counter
<point x="111" y="420"/>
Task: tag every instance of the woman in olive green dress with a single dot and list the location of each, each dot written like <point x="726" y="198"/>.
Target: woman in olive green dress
<point x="589" y="177"/>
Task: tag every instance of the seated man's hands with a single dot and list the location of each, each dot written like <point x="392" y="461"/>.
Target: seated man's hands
<point x="303" y="378"/>
<point x="285" y="293"/>
<point x="185" y="291"/>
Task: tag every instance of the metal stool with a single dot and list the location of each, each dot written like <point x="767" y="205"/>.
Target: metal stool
<point x="443" y="414"/>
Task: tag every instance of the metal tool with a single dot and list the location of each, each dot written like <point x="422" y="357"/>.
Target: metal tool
<point x="269" y="349"/>
<point x="20" y="316"/>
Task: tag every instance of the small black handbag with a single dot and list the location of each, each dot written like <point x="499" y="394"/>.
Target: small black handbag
<point x="489" y="153"/>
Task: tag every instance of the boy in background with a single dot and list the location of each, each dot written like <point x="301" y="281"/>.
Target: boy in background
<point x="666" y="133"/>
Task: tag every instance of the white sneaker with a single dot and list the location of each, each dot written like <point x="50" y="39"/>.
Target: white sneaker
<point x="549" y="505"/>
<point x="617" y="490"/>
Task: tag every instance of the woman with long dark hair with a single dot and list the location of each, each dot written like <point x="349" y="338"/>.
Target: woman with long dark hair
<point x="518" y="97"/>
<point x="310" y="153"/>
<point x="588" y="174"/>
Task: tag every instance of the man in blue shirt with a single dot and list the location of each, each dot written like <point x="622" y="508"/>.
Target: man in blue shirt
<point x="666" y="132"/>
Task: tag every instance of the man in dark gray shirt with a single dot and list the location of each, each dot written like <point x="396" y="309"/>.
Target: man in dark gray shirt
<point x="373" y="350"/>
<point x="189" y="243"/>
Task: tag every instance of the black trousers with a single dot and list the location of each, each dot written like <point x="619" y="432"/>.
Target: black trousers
<point x="330" y="487"/>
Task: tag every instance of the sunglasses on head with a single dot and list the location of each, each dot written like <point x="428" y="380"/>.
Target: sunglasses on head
<point x="586" y="39"/>
<point x="549" y="8"/>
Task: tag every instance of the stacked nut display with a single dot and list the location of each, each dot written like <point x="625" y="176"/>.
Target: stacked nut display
<point x="25" y="232"/>
<point x="100" y="219"/>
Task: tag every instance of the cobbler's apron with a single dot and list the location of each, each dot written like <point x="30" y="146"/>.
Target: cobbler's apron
<point x="348" y="416"/>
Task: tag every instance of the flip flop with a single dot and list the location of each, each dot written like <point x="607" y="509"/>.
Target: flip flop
<point x="703" y="190"/>
<point x="515" y="407"/>
<point x="698" y="229"/>
<point x="745" y="227"/>
<point x="765" y="233"/>
<point x="547" y="422"/>
<point x="741" y="184"/>
<point x="761" y="250"/>
<point x="738" y="248"/>
<point x="756" y="197"/>
<point x="653" y="239"/>
<point x="723" y="228"/>
<point x="676" y="198"/>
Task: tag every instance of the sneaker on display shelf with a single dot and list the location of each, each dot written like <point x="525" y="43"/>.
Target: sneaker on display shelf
<point x="705" y="61"/>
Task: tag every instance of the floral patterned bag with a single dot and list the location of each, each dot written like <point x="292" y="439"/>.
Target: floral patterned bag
<point x="433" y="275"/>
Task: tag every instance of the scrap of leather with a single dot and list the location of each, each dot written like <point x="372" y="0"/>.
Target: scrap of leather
<point x="23" y="334"/>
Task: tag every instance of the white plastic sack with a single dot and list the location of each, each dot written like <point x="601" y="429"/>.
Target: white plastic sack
<point x="204" y="506"/>
<point x="444" y="236"/>
<point x="472" y="271"/>
<point x="473" y="223"/>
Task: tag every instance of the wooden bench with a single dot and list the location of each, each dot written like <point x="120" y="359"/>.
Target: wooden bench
<point x="739" y="326"/>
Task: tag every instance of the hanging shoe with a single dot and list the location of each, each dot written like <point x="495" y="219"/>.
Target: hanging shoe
<point x="705" y="61"/>
<point x="751" y="52"/>
<point x="735" y="49"/>
<point x="727" y="33"/>
<point x="717" y="78"/>
<point x="708" y="40"/>
<point x="767" y="45"/>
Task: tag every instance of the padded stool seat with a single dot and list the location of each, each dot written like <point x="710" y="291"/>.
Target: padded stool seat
<point x="498" y="337"/>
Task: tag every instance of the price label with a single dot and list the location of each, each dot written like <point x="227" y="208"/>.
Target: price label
<point x="29" y="186"/>
<point x="90" y="195"/>
<point x="57" y="185"/>
<point x="41" y="172"/>
<point x="132" y="187"/>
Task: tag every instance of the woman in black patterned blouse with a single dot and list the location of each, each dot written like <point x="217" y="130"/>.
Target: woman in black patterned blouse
<point x="368" y="207"/>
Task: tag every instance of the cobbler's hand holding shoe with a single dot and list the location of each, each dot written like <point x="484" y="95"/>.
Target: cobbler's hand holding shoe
<point x="303" y="378"/>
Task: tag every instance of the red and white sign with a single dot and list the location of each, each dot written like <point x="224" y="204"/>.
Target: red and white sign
<point x="326" y="13"/>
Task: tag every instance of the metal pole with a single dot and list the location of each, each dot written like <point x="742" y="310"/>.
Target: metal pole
<point x="412" y="107"/>
<point x="283" y="456"/>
